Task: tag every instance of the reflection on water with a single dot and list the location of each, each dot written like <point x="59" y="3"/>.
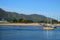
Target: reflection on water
<point x="28" y="33"/>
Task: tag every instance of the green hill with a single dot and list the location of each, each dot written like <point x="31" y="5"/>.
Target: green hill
<point x="10" y="16"/>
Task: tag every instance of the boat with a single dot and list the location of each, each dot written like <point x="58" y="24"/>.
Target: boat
<point x="46" y="27"/>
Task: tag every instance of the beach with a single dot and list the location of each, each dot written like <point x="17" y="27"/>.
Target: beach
<point x="26" y="24"/>
<point x="20" y="24"/>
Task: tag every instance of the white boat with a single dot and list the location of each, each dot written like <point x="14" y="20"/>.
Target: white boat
<point x="46" y="27"/>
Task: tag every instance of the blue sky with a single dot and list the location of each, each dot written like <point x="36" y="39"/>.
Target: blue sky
<point x="50" y="8"/>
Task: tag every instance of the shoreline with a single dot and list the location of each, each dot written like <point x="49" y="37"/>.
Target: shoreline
<point x="20" y="24"/>
<point x="25" y="24"/>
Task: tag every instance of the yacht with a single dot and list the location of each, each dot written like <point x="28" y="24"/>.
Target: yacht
<point x="48" y="28"/>
<point x="51" y="27"/>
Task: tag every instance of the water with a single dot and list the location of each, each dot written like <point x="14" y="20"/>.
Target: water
<point x="28" y="33"/>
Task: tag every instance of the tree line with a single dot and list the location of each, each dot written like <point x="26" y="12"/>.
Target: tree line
<point x="22" y="21"/>
<point x="31" y="21"/>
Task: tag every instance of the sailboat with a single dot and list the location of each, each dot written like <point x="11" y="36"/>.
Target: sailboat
<point x="46" y="27"/>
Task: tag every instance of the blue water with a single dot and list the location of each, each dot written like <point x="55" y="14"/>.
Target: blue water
<point x="28" y="33"/>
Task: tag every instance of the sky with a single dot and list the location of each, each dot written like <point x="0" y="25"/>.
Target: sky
<point x="49" y="8"/>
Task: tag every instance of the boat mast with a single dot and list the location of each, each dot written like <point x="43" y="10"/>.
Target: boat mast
<point x="51" y="20"/>
<point x="47" y="19"/>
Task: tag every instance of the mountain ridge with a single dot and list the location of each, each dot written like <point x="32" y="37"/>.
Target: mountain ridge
<point x="13" y="15"/>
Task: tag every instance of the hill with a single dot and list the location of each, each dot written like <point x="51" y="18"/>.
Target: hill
<point x="9" y="16"/>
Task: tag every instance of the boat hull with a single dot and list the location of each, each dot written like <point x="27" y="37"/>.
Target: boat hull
<point x="47" y="28"/>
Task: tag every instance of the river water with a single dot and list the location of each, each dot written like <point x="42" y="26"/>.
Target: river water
<point x="28" y="33"/>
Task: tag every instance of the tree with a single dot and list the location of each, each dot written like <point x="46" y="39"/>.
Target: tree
<point x="28" y="21"/>
<point x="25" y="21"/>
<point x="21" y="20"/>
<point x="59" y="21"/>
<point x="14" y="21"/>
<point x="54" y="21"/>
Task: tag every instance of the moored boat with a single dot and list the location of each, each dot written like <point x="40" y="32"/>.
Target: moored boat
<point x="48" y="28"/>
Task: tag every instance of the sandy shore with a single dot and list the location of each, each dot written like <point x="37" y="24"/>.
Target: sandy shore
<point x="25" y="24"/>
<point x="21" y="24"/>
